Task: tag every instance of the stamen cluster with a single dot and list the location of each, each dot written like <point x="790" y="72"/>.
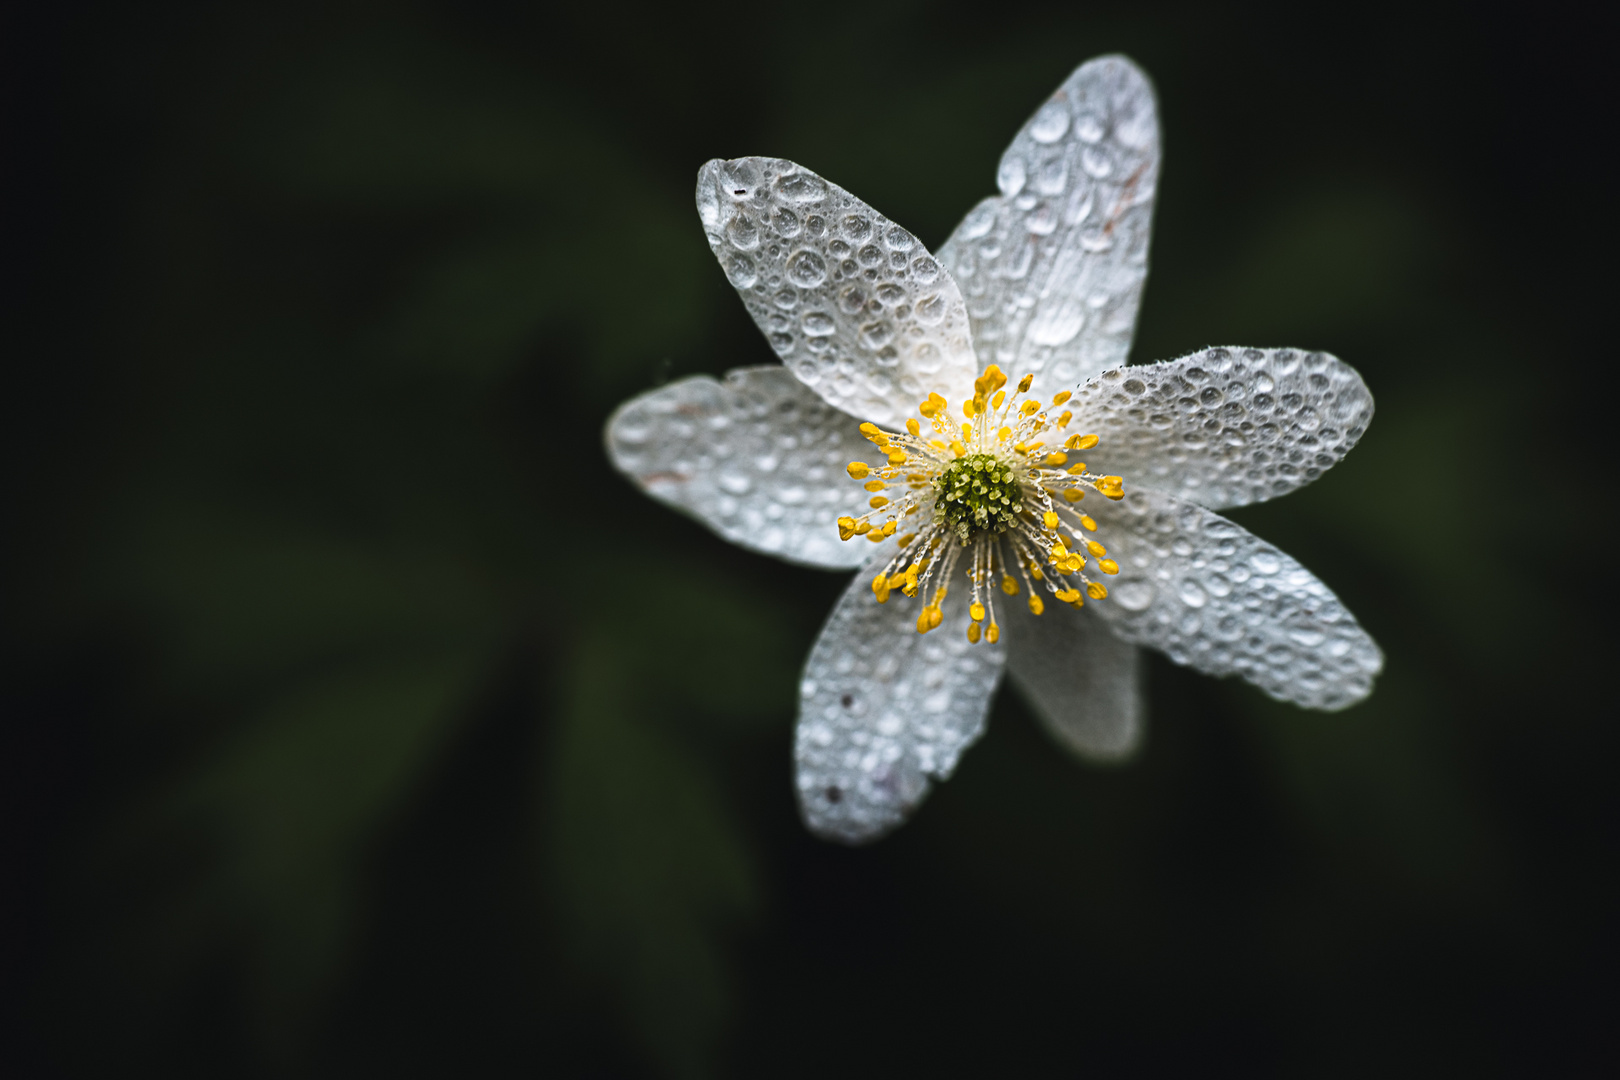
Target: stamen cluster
<point x="991" y="489"/>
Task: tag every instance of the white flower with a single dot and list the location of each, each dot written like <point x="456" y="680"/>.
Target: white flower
<point x="998" y="519"/>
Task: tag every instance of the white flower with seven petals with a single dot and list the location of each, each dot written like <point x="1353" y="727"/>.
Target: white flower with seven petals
<point x="1000" y="525"/>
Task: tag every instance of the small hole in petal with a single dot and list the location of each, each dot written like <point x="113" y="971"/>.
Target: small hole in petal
<point x="834" y="795"/>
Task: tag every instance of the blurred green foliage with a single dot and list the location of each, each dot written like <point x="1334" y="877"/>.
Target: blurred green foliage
<point x="361" y="718"/>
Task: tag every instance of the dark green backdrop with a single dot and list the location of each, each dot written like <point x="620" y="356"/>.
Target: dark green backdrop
<point x="360" y="721"/>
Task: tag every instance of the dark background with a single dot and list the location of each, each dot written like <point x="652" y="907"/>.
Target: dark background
<point x="359" y="719"/>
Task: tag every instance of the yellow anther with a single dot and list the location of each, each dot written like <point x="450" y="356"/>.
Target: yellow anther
<point x="910" y="587"/>
<point x="1077" y="469"/>
<point x="1068" y="596"/>
<point x="1009" y="584"/>
<point x="1073" y="494"/>
<point x="992" y="633"/>
<point x="967" y="408"/>
<point x="1004" y="434"/>
<point x="874" y="485"/>
<point x="1082" y="442"/>
<point x="905" y="541"/>
<point x="976" y="612"/>
<point x="1035" y="605"/>
<point x="995" y="402"/>
<point x="923" y="626"/>
<point x="846" y="528"/>
<point x="913" y="427"/>
<point x="967" y="432"/>
<point x="877" y="502"/>
<point x="957" y="448"/>
<point x="1061" y="398"/>
<point x="936" y="616"/>
<point x="868" y="428"/>
<point x="988" y="383"/>
<point x="1096" y="590"/>
<point x="877" y="536"/>
<point x="1088" y="524"/>
<point x="1023" y="384"/>
<point x="1030" y="408"/>
<point x="858" y="470"/>
<point x="933" y="406"/>
<point x="1049" y="519"/>
<point x="1112" y="486"/>
<point x="897" y="456"/>
<point x="1035" y="572"/>
<point x="1096" y="548"/>
<point x="1108" y="566"/>
<point x="1056" y="457"/>
<point x="1063" y="420"/>
<point x="890" y="526"/>
<point x="973" y="633"/>
<point x="862" y="528"/>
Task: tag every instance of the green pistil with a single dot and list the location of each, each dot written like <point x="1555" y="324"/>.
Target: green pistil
<point x="977" y="492"/>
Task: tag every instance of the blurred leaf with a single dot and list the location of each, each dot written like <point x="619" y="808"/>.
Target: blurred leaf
<point x="647" y="869"/>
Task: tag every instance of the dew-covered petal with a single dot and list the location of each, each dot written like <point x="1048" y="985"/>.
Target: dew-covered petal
<point x="1083" y="682"/>
<point x="1227" y="426"/>
<point x="1216" y="597"/>
<point x="1052" y="268"/>
<point x="884" y="711"/>
<point x="758" y="458"/>
<point x="853" y="303"/>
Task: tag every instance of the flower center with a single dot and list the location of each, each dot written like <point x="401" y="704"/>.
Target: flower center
<point x="977" y="492"/>
<point x="996" y="490"/>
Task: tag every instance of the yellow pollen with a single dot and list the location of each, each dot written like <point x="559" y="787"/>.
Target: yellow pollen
<point x="973" y="633"/>
<point x="1068" y="596"/>
<point x="1082" y="442"/>
<point x="1035" y="572"/>
<point x="913" y="427"/>
<point x="1112" y="487"/>
<point x="858" y="470"/>
<point x="1088" y="524"/>
<point x="922" y="622"/>
<point x="1096" y="548"/>
<point x="1061" y="398"/>
<point x="874" y="485"/>
<point x="1096" y="590"/>
<point x="862" y="528"/>
<point x="995" y="402"/>
<point x="976" y="612"/>
<point x="1004" y="434"/>
<point x="1108" y="566"/>
<point x="877" y="502"/>
<point x="1073" y="495"/>
<point x="906" y="540"/>
<point x="1023" y="384"/>
<point x="1056" y="457"/>
<point x="889" y="527"/>
<point x="967" y="408"/>
<point x="936" y="616"/>
<point x="1009" y="585"/>
<point x="897" y="456"/>
<point x="846" y="527"/>
<point x="992" y="634"/>
<point x="957" y="448"/>
<point x="1049" y="519"/>
<point x="1035" y="605"/>
<point x="1063" y="421"/>
<point x="1030" y="408"/>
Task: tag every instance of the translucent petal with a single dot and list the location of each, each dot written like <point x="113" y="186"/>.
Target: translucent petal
<point x="1217" y="598"/>
<point x="758" y="458"/>
<point x="1083" y="682"/>
<point x="1225" y="427"/>
<point x="860" y="310"/>
<point x="1052" y="268"/>
<point x="884" y="711"/>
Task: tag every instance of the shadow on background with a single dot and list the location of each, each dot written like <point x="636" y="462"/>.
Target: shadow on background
<point x="359" y="719"/>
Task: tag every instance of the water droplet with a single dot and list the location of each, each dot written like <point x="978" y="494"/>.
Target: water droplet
<point x="815" y="225"/>
<point x="818" y="323"/>
<point x="869" y="256"/>
<point x="857" y="228"/>
<point x="1132" y="595"/>
<point x="741" y="271"/>
<point x="931" y="310"/>
<point x="1265" y="562"/>
<point x="1096" y="162"/>
<point x="1088" y="127"/>
<point x="782" y="343"/>
<point x="1010" y="176"/>
<point x="708" y="204"/>
<point x="1192" y="594"/>
<point x="978" y="222"/>
<point x="1052" y="177"/>
<point x="735" y="483"/>
<point x="801" y="187"/>
<point x="852" y="299"/>
<point x="1134" y="387"/>
<point x="890" y="293"/>
<point x="897" y="239"/>
<point x="807" y="269"/>
<point x="1050" y="123"/>
<point x="786" y="222"/>
<point x="742" y="233"/>
<point x="876" y="335"/>
<point x="925" y="269"/>
<point x="787" y="299"/>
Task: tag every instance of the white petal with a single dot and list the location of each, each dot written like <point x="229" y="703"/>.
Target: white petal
<point x="1224" y="427"/>
<point x="860" y="310"/>
<point x="757" y="458"/>
<point x="1083" y="682"/>
<point x="884" y="710"/>
<point x="1218" y="598"/>
<point x="1052" y="268"/>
